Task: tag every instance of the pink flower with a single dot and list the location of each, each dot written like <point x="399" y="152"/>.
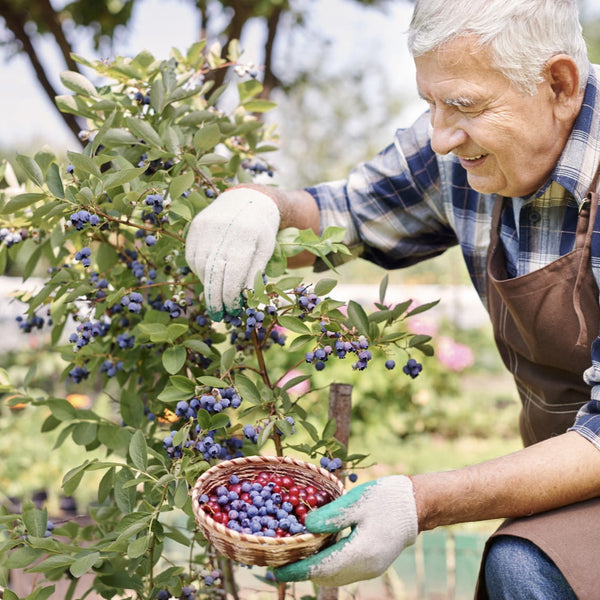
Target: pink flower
<point x="452" y="355"/>
<point x="299" y="388"/>
<point x="421" y="325"/>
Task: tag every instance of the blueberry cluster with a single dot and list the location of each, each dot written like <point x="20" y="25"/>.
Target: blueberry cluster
<point x="101" y="285"/>
<point x="306" y="299"/>
<point x="78" y="374"/>
<point x="216" y="401"/>
<point x="156" y="201"/>
<point x="174" y="308"/>
<point x="88" y="330"/>
<point x="133" y="302"/>
<point x="331" y="464"/>
<point x="141" y="98"/>
<point x="10" y="238"/>
<point x="83" y="256"/>
<point x="412" y="368"/>
<point x="206" y="445"/>
<point x="31" y="323"/>
<point x="359" y="347"/>
<point x="188" y="592"/>
<point x="125" y="340"/>
<point x="256" y="167"/>
<point x="110" y="367"/>
<point x="81" y="217"/>
<point x="251" y="432"/>
<point x="252" y="321"/>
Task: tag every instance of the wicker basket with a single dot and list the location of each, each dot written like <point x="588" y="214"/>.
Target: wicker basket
<point x="257" y="550"/>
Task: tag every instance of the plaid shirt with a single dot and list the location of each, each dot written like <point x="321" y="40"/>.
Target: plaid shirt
<point x="409" y="204"/>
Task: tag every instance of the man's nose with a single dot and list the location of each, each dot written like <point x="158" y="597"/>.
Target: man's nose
<point x="446" y="134"/>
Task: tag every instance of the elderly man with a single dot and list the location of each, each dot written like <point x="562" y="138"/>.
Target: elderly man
<point x="505" y="164"/>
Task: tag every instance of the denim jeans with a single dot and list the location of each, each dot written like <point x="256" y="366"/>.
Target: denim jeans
<point x="516" y="569"/>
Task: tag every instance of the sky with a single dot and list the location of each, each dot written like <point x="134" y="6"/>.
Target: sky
<point x="28" y="118"/>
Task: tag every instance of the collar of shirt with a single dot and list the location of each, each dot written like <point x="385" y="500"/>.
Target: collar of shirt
<point x="581" y="155"/>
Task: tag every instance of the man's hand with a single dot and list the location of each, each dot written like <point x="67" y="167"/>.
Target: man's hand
<point x="383" y="517"/>
<point x="228" y="243"/>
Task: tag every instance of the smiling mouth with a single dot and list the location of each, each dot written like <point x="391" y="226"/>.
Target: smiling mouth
<point x="470" y="161"/>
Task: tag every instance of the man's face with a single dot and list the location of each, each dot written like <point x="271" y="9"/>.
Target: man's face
<point x="507" y="141"/>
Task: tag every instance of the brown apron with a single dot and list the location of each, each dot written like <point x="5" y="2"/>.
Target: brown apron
<point x="526" y="313"/>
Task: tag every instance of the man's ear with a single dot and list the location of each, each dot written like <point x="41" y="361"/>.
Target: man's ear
<point x="563" y="77"/>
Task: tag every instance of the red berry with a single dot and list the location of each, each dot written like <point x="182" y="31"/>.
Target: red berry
<point x="311" y="500"/>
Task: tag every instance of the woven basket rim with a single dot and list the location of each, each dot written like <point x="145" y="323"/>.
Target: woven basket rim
<point x="247" y="537"/>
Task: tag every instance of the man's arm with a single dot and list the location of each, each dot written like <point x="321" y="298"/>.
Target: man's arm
<point x="297" y="208"/>
<point x="553" y="473"/>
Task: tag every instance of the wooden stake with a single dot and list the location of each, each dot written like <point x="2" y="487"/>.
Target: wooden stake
<point x="340" y="409"/>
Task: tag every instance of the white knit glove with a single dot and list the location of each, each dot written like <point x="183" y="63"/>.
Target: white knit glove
<point x="228" y="243"/>
<point x="383" y="516"/>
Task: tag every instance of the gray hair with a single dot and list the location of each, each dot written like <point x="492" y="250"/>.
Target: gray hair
<point x="521" y="34"/>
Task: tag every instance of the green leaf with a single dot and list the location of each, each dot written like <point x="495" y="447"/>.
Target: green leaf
<point x="259" y="106"/>
<point x="79" y="84"/>
<point x="183" y="384"/>
<point x="311" y="430"/>
<point x="83" y="564"/>
<point x="206" y="138"/>
<point x="106" y="485"/>
<point x="21" y="557"/>
<point x="31" y="168"/>
<point x="175" y="330"/>
<point x="138" y="450"/>
<point x="300" y="341"/>
<point x="122" y="177"/>
<point x="180" y="184"/>
<point x="295" y="381"/>
<point x="324" y="286"/>
<point x="227" y="359"/>
<point x="383" y="288"/>
<point x="84" y="164"/>
<point x="181" y="493"/>
<point x="173" y="359"/>
<point x="85" y="433"/>
<point x="124" y="494"/>
<point x="422" y="308"/>
<point x="219" y="420"/>
<point x="20" y="201"/>
<point x="329" y="429"/>
<point x="358" y="317"/>
<point x="247" y="389"/>
<point x="54" y="181"/>
<point x="35" y="520"/>
<point x="212" y="381"/>
<point x="144" y="131"/>
<point x="249" y="89"/>
<point x="118" y="137"/>
<point x="138" y="547"/>
<point x="61" y="409"/>
<point x="293" y="324"/>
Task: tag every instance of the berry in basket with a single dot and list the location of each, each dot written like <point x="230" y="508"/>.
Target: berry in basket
<point x="269" y="504"/>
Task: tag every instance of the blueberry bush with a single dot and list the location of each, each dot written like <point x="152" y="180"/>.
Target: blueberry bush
<point x="104" y="230"/>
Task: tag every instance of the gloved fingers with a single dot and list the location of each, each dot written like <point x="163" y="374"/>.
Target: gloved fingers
<point x="306" y="568"/>
<point x="195" y="251"/>
<point x="213" y="288"/>
<point x="339" y="514"/>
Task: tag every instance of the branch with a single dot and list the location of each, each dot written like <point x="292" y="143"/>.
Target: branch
<point x="16" y="21"/>
<point x="270" y="79"/>
<point x="54" y="24"/>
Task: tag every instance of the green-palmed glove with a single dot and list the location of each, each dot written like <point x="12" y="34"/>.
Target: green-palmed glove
<point x="228" y="243"/>
<point x="382" y="515"/>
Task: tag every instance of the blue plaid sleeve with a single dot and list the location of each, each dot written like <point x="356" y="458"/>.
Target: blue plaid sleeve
<point x="391" y="207"/>
<point x="587" y="422"/>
